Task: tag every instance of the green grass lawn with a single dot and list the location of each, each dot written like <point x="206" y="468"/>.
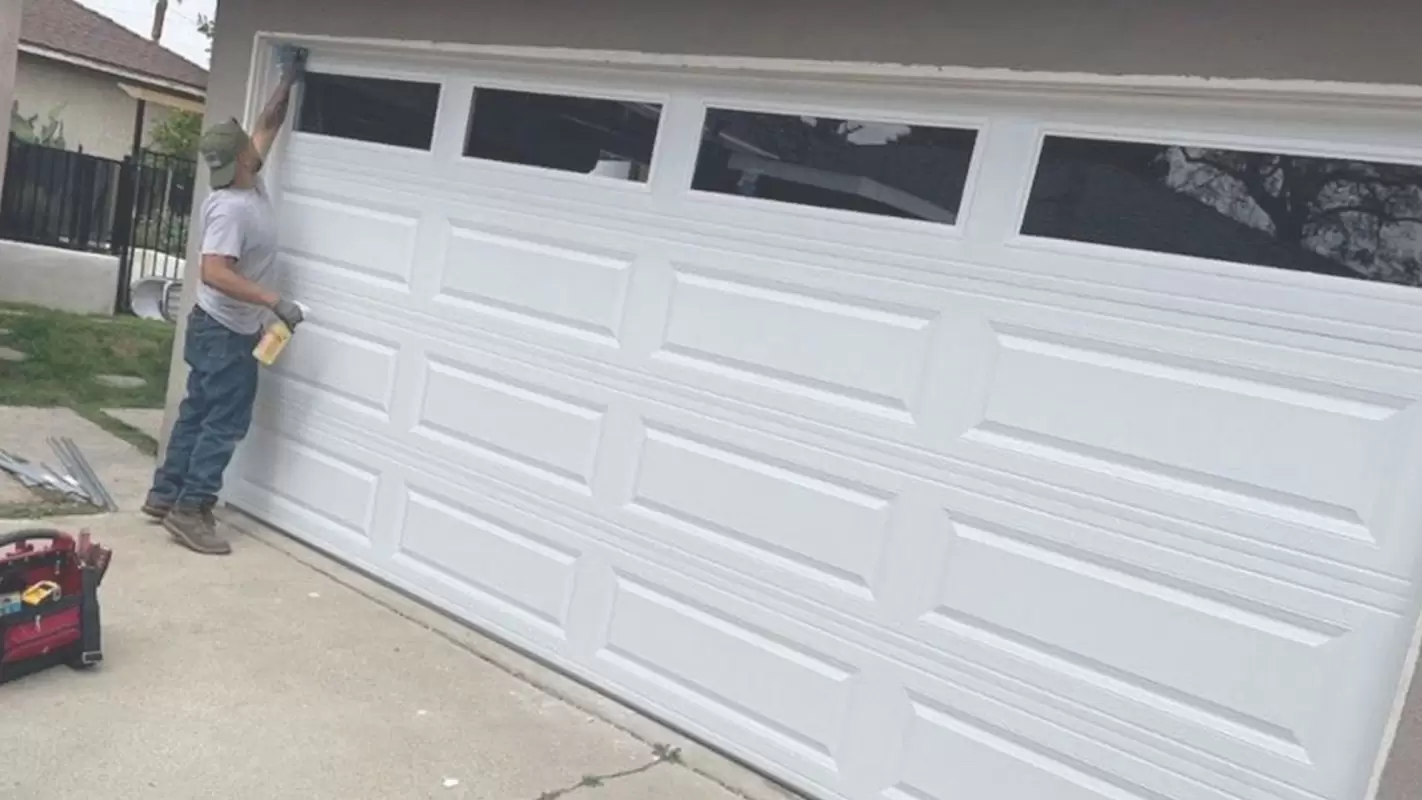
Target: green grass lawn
<point x="66" y="352"/>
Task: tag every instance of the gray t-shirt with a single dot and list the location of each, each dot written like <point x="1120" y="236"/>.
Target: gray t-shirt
<point x="241" y="224"/>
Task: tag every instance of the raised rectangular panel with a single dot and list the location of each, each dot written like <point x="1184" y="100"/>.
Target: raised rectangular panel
<point x="725" y="667"/>
<point x="851" y="353"/>
<point x="315" y="481"/>
<point x="948" y="755"/>
<point x="527" y="427"/>
<point x="508" y="565"/>
<point x="571" y="289"/>
<point x="350" y="366"/>
<point x="1265" y="444"/>
<point x="373" y="244"/>
<point x="1236" y="669"/>
<point x="787" y="516"/>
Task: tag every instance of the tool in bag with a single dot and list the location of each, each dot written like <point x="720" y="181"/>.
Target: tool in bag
<point x="49" y="601"/>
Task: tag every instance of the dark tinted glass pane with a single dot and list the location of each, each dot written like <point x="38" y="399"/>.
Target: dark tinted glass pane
<point x="400" y="113"/>
<point x="575" y="134"/>
<point x="884" y="168"/>
<point x="1357" y="219"/>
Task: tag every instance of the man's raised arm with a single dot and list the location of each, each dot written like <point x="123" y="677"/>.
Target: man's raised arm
<point x="274" y="115"/>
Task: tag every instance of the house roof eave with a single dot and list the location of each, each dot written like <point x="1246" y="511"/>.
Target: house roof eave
<point x="133" y="76"/>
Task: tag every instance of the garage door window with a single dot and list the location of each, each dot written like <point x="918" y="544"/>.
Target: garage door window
<point x="1355" y="219"/>
<point x="610" y="138"/>
<point x="873" y="167"/>
<point x="399" y="113"/>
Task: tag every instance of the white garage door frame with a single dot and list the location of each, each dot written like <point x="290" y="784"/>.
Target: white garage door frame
<point x="1374" y="122"/>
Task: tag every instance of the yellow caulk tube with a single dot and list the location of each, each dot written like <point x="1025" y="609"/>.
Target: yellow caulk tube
<point x="274" y="341"/>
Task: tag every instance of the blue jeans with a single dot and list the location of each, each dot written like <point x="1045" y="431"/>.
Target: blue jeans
<point x="214" y="416"/>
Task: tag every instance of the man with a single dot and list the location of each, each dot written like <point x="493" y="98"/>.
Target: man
<point x="239" y="249"/>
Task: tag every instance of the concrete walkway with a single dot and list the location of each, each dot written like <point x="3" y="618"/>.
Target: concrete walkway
<point x="275" y="673"/>
<point x="125" y="471"/>
<point x="148" y="420"/>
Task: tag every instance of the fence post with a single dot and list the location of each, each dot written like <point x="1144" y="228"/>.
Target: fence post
<point x="8" y="189"/>
<point x="121" y="244"/>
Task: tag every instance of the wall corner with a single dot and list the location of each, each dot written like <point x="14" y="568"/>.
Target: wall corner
<point x="10" y="14"/>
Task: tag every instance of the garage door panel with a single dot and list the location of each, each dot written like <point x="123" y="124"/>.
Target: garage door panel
<point x="708" y="654"/>
<point x="1290" y="446"/>
<point x="958" y="742"/>
<point x="538" y="280"/>
<point x="1315" y="304"/>
<point x="818" y="526"/>
<point x="1245" y="441"/>
<point x="848" y="354"/>
<point x="520" y="567"/>
<point x="321" y="486"/>
<point x="948" y="754"/>
<point x="539" y="430"/>
<point x="1142" y="548"/>
<point x="466" y="188"/>
<point x="1086" y="633"/>
<point x="354" y="234"/>
<point x="307" y="153"/>
<point x="352" y="366"/>
<point x="1274" y="704"/>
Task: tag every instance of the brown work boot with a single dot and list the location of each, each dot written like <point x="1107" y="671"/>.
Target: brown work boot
<point x="194" y="528"/>
<point x="156" y="508"/>
<point x="206" y="510"/>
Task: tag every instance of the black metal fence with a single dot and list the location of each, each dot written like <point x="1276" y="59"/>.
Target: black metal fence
<point x="163" y="200"/>
<point x="61" y="199"/>
<point x="138" y="211"/>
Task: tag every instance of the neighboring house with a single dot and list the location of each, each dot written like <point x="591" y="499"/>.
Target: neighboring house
<point x="88" y="72"/>
<point x="878" y="391"/>
<point x="9" y="40"/>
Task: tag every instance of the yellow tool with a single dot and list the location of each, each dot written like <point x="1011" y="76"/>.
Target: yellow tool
<point x="41" y="592"/>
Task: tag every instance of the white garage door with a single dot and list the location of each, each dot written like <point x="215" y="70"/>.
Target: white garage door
<point x="908" y="444"/>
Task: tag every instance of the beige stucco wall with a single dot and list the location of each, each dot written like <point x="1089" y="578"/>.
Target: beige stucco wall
<point x="97" y="114"/>
<point x="1365" y="41"/>
<point x="9" y="39"/>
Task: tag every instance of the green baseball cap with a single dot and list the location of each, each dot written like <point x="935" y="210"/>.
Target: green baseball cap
<point x="220" y="146"/>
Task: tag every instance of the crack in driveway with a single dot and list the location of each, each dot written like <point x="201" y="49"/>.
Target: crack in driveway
<point x="661" y="754"/>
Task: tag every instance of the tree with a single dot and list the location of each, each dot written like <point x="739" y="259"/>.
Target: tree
<point x="1364" y="214"/>
<point x="29" y="129"/>
<point x="178" y="135"/>
<point x="205" y="27"/>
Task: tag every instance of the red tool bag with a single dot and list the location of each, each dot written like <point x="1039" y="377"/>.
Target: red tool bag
<point x="63" y="626"/>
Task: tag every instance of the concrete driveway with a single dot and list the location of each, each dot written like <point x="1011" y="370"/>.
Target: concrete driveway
<point x="275" y="673"/>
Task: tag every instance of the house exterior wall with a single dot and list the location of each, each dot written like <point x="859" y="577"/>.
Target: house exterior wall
<point x="9" y="39"/>
<point x="1371" y="42"/>
<point x="97" y="114"/>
